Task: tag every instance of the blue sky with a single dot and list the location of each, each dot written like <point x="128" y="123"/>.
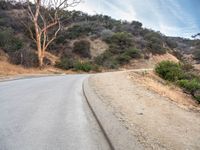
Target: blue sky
<point x="171" y="17"/>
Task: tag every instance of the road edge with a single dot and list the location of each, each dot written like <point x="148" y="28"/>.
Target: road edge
<point x="118" y="137"/>
<point x="13" y="78"/>
<point x="84" y="87"/>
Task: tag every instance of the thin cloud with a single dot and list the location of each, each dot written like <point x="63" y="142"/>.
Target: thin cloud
<point x="168" y="16"/>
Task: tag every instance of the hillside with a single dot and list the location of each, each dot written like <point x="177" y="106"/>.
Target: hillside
<point x="95" y="42"/>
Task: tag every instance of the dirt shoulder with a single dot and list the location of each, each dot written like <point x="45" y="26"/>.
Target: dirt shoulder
<point x="156" y="121"/>
<point x="9" y="71"/>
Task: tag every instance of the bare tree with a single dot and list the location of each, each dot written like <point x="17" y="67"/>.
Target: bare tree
<point x="45" y="16"/>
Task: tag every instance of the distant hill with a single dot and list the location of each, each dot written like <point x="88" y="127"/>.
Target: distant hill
<point x="90" y="42"/>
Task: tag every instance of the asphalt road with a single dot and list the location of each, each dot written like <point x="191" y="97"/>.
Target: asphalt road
<point x="47" y="113"/>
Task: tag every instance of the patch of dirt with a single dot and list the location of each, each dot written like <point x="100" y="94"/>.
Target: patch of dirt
<point x="156" y="121"/>
<point x="98" y="47"/>
<point x="151" y="62"/>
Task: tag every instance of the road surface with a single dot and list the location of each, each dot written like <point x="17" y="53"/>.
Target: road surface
<point x="47" y="113"/>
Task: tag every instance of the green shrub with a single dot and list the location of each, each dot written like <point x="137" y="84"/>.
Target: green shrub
<point x="192" y="87"/>
<point x="103" y="57"/>
<point x="70" y="63"/>
<point x="172" y="71"/>
<point x="123" y="58"/>
<point x="169" y="70"/>
<point x="155" y="42"/>
<point x="156" y="48"/>
<point x="121" y="38"/>
<point x="61" y="39"/>
<point x="119" y="42"/>
<point x="111" y="64"/>
<point x="197" y="98"/>
<point x="17" y="44"/>
<point x="127" y="55"/>
<point x="82" y="48"/>
<point x="112" y="61"/>
<point x="8" y="41"/>
<point x="65" y="63"/>
<point x="78" y="31"/>
<point x="107" y="60"/>
<point x="84" y="66"/>
<point x="153" y="36"/>
<point x="133" y="52"/>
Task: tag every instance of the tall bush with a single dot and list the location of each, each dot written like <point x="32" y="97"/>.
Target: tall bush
<point x="82" y="48"/>
<point x="119" y="42"/>
<point x="169" y="70"/>
<point x="175" y="72"/>
<point x="65" y="63"/>
<point x="8" y="41"/>
<point x="133" y="52"/>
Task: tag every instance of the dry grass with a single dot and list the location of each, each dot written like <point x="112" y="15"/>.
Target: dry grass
<point x="152" y="82"/>
<point x="151" y="62"/>
<point x="7" y="69"/>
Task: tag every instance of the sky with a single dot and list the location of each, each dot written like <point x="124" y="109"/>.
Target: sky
<point x="170" y="17"/>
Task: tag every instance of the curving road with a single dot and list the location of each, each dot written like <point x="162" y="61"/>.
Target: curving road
<point x="47" y="113"/>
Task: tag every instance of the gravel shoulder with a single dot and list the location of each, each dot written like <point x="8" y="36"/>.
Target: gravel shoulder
<point x="155" y="120"/>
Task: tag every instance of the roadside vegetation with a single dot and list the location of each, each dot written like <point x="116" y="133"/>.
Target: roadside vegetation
<point x="76" y="65"/>
<point x="182" y="75"/>
<point x="121" y="51"/>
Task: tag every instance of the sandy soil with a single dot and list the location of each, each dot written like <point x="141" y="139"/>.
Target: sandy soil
<point x="97" y="47"/>
<point x="156" y="121"/>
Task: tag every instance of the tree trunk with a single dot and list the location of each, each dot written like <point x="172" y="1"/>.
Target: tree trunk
<point x="41" y="63"/>
<point x="40" y="59"/>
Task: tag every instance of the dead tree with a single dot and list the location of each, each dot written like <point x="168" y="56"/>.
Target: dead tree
<point x="45" y="16"/>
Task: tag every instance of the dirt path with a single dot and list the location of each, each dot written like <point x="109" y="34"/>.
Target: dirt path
<point x="157" y="122"/>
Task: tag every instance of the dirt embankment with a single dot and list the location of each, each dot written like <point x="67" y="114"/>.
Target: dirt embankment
<point x="155" y="120"/>
<point x="8" y="69"/>
<point x="151" y="62"/>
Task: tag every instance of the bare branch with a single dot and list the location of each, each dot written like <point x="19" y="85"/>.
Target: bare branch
<point x="55" y="35"/>
<point x="50" y="13"/>
<point x="30" y="31"/>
